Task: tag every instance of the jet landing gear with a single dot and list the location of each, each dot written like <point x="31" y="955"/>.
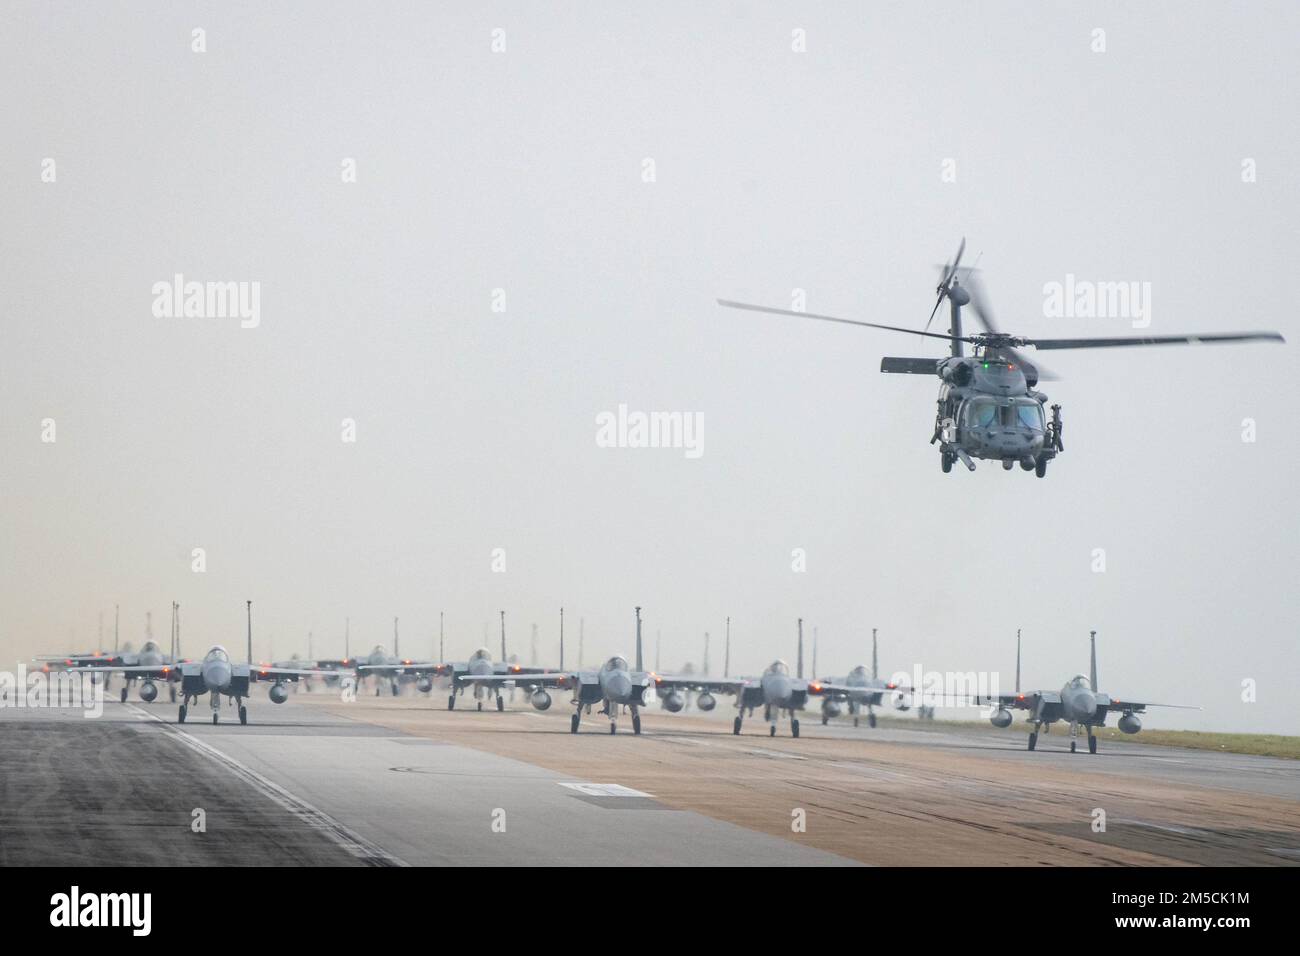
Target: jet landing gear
<point x="735" y="727"/>
<point x="636" y="721"/>
<point x="180" y="717"/>
<point x="1033" y="739"/>
<point x="1092" y="741"/>
<point x="501" y="703"/>
<point x="243" y="712"/>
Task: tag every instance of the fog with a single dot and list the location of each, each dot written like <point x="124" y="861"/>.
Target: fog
<point x="537" y="234"/>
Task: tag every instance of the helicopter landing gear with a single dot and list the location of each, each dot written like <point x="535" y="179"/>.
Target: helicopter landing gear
<point x="945" y="461"/>
<point x="1040" y="468"/>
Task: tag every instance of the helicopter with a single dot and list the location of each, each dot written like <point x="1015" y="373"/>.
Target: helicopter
<point x="989" y="407"/>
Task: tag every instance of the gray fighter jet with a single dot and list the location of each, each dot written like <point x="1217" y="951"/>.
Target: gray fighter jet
<point x="1079" y="703"/>
<point x="856" y="691"/>
<point x="217" y="676"/>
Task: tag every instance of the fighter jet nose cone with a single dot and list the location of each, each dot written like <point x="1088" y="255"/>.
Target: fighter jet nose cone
<point x="619" y="686"/>
<point x="781" y="688"/>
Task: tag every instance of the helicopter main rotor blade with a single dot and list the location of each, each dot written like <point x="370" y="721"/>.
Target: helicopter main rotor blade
<point x="1211" y="338"/>
<point x="945" y="285"/>
<point x="831" y="318"/>
<point x="984" y="315"/>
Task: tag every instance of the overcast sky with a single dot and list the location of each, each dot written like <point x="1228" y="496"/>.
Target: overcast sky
<point x="771" y="170"/>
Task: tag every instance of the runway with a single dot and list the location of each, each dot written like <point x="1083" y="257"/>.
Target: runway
<point x="397" y="781"/>
<point x="304" y="786"/>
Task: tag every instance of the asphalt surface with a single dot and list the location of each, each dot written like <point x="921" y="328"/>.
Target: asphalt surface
<point x="302" y="786"/>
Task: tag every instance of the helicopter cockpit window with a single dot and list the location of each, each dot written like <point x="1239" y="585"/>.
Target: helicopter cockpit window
<point x="980" y="413"/>
<point x="1030" y="415"/>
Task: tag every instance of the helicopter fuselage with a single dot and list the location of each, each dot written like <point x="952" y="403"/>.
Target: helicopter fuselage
<point x="989" y="409"/>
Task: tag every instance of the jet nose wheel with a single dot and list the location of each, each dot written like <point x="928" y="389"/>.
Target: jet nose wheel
<point x="636" y="724"/>
<point x="451" y="702"/>
<point x="1092" y="745"/>
<point x="771" y="731"/>
<point x="1033" y="740"/>
<point x="794" y="728"/>
<point x="480" y="706"/>
<point x="573" y="724"/>
<point x="215" y="718"/>
<point x="613" y="727"/>
<point x="124" y="695"/>
<point x="243" y="714"/>
<point x="1071" y="746"/>
<point x="735" y="727"/>
<point x="871" y="720"/>
<point x="172" y="692"/>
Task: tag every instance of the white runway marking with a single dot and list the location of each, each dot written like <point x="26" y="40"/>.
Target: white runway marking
<point x="775" y="754"/>
<point x="358" y="846"/>
<point x="604" y="790"/>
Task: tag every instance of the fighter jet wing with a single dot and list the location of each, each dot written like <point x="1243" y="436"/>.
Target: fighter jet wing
<point x="1138" y="707"/>
<point x="727" y="685"/>
<point x="268" y="672"/>
<point x="548" y="677"/>
<point x="159" y="671"/>
<point x="826" y="687"/>
<point x="1023" y="701"/>
<point x="73" y="660"/>
<point x="405" y="667"/>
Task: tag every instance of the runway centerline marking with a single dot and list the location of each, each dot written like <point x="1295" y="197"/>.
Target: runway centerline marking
<point x="358" y="846"/>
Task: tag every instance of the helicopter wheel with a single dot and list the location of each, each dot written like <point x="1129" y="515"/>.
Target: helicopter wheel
<point x="945" y="461"/>
<point x="1040" y="468"/>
